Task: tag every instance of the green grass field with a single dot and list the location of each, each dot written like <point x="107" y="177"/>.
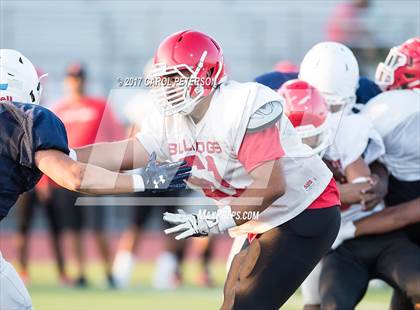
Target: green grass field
<point x="48" y="295"/>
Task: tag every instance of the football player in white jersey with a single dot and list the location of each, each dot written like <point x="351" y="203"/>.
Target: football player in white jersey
<point x="396" y="115"/>
<point x="247" y="156"/>
<point x="308" y="112"/>
<point x="350" y="150"/>
<point x="333" y="70"/>
<point x="347" y="270"/>
<point x="399" y="76"/>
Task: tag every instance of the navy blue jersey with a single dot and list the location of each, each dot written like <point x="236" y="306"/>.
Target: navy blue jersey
<point x="25" y="129"/>
<point x="367" y="88"/>
<point x="275" y="79"/>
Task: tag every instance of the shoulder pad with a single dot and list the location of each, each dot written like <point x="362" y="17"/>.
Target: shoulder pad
<point x="265" y="116"/>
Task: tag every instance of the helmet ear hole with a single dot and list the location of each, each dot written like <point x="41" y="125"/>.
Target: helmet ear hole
<point x="20" y="60"/>
<point x="210" y="73"/>
<point x="409" y="75"/>
<point x="32" y="96"/>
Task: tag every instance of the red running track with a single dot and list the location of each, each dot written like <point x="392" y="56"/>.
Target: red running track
<point x="151" y="244"/>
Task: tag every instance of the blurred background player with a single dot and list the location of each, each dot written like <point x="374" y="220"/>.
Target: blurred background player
<point x="168" y="271"/>
<point x="87" y="120"/>
<point x="348" y="25"/>
<point x="26" y="206"/>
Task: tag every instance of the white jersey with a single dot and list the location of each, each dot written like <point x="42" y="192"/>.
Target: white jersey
<point x="396" y="116"/>
<point x="214" y="143"/>
<point x="355" y="137"/>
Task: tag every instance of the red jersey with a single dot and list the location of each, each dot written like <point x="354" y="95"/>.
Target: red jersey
<point x="90" y="121"/>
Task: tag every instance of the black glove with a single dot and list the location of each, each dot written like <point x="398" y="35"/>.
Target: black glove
<point x="160" y="177"/>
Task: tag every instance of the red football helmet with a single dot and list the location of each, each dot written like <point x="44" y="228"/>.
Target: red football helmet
<point x="308" y="112"/>
<point x="401" y="68"/>
<point x="196" y="60"/>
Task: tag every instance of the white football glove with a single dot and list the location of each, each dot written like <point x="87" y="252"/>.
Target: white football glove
<point x="199" y="225"/>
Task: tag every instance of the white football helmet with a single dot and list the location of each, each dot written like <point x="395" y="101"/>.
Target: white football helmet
<point x="332" y="68"/>
<point x="19" y="81"/>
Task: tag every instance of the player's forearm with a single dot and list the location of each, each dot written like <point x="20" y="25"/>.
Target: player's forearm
<point x="350" y="192"/>
<point x="76" y="176"/>
<point x="96" y="181"/>
<point x="389" y="219"/>
<point x="357" y="174"/>
<point x="115" y="156"/>
<point x="108" y="155"/>
<point x="91" y="179"/>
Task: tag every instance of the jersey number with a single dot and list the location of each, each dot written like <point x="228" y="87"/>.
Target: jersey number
<point x="208" y="187"/>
